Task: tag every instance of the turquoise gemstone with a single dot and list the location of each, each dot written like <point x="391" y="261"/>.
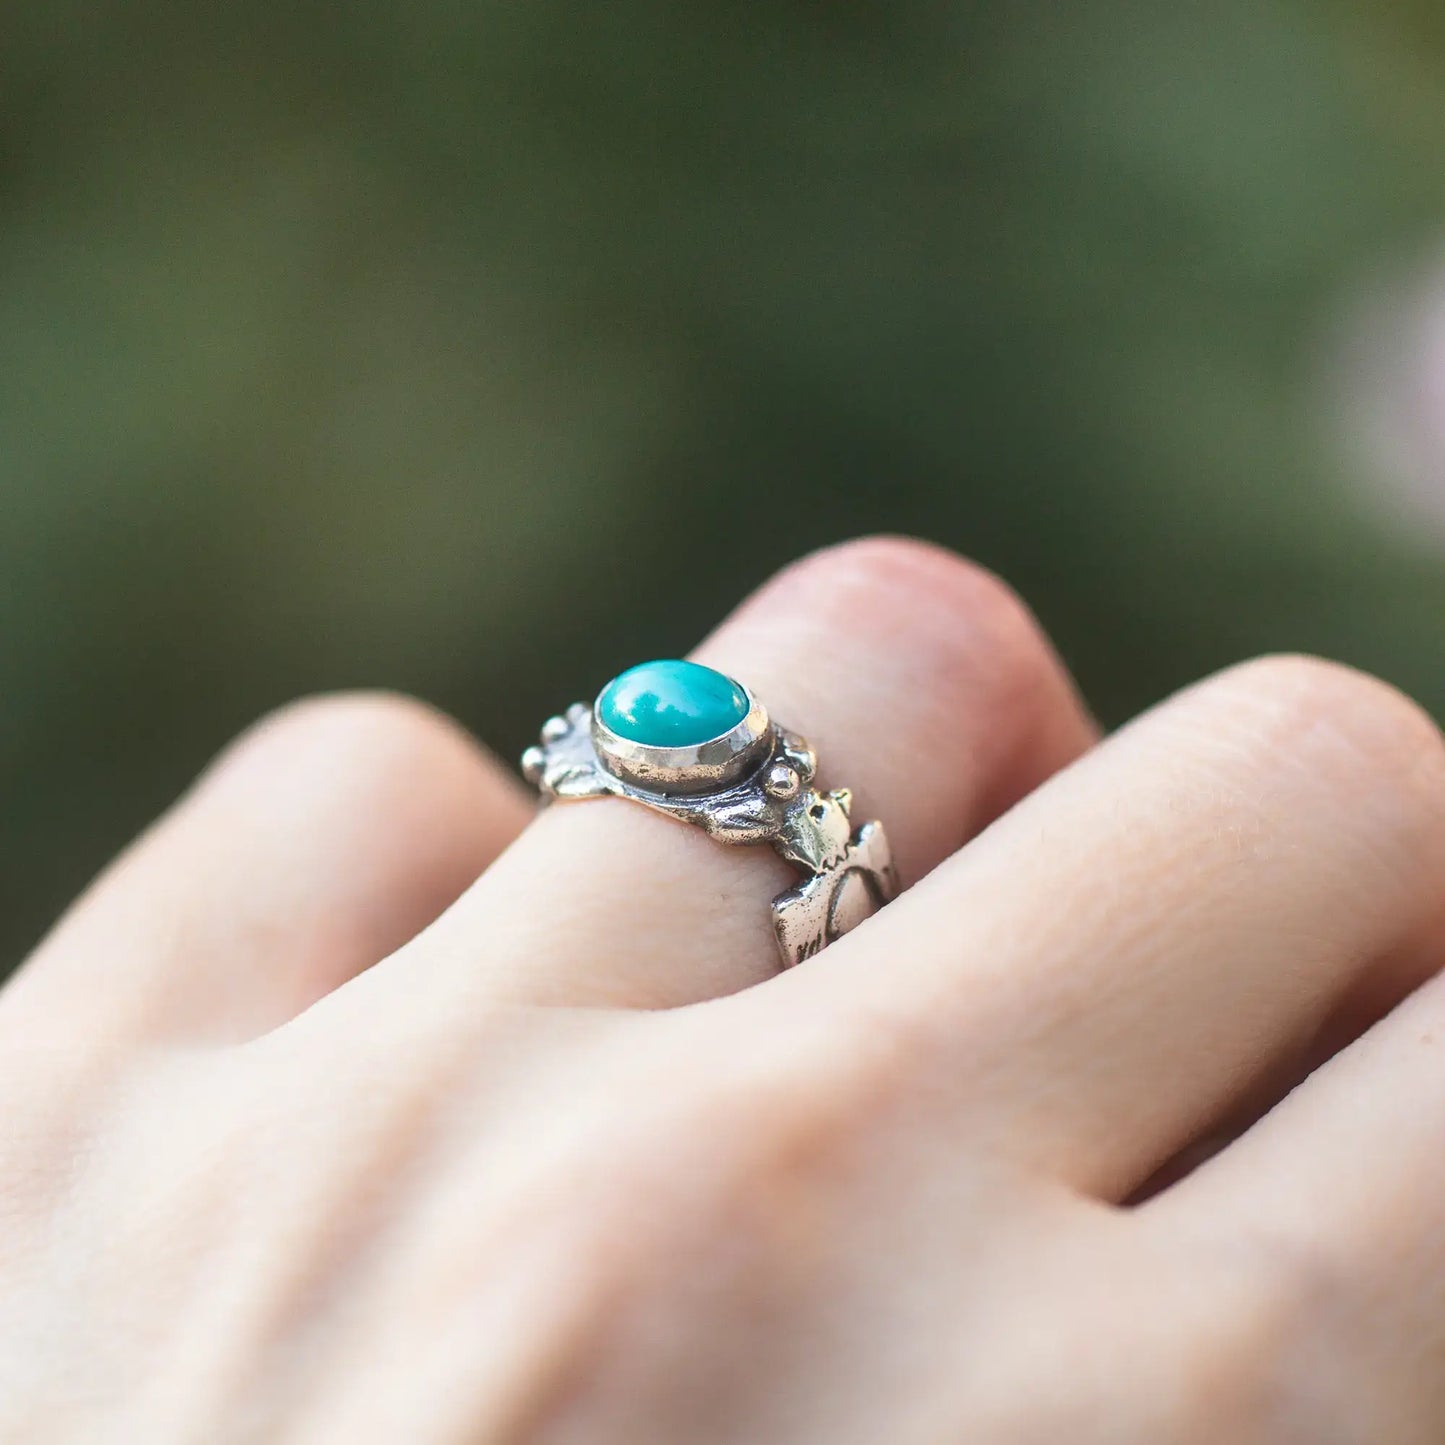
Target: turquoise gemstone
<point x="671" y="704"/>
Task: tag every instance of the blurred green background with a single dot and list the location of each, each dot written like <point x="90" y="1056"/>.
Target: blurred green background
<point x="477" y="349"/>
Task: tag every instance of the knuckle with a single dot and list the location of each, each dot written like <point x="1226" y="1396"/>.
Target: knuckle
<point x="1225" y="1382"/>
<point x="761" y="1147"/>
<point x="378" y="732"/>
<point x="881" y="585"/>
<point x="907" y="571"/>
<point x="1225" y="1376"/>
<point x="1248" y="1363"/>
<point x="733" y="1202"/>
<point x="1353" y="728"/>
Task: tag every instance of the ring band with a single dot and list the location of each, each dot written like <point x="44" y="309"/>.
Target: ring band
<point x="695" y="745"/>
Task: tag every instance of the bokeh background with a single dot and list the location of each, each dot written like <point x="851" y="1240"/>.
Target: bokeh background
<point x="479" y="348"/>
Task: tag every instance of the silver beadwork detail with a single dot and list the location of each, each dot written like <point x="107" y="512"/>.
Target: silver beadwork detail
<point x="754" y="785"/>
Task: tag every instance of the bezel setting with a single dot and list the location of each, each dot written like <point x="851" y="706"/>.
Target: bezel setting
<point x="753" y="784"/>
<point x="705" y="767"/>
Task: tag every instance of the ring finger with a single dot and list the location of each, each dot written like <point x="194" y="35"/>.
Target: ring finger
<point x="924" y="685"/>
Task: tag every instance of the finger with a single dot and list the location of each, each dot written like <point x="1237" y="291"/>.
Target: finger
<point x="321" y="841"/>
<point x="1355" y="1142"/>
<point x="924" y="685"/>
<point x="1342" y="1182"/>
<point x="1120" y="960"/>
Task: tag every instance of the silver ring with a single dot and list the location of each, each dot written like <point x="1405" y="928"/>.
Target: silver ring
<point x="698" y="747"/>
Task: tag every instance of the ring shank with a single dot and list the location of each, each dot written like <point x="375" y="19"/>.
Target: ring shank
<point x="752" y="785"/>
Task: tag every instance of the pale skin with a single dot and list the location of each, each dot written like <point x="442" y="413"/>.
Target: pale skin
<point x="353" y="1104"/>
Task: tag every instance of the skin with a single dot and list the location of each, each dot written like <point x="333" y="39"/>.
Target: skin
<point x="354" y="1104"/>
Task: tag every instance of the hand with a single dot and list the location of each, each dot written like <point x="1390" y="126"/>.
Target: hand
<point x="293" y="1151"/>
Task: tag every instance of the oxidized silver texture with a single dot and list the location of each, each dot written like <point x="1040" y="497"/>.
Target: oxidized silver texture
<point x="752" y="785"/>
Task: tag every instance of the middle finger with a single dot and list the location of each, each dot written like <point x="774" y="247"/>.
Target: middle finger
<point x="1164" y="928"/>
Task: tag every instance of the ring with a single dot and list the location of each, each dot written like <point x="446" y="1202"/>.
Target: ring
<point x="695" y="745"/>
